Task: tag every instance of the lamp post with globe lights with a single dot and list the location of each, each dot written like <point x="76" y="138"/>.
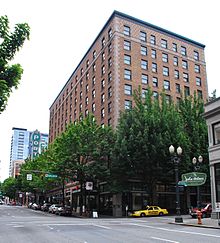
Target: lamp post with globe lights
<point x="196" y="163"/>
<point x="175" y="157"/>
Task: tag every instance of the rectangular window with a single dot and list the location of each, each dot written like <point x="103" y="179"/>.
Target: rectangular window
<point x="109" y="34"/>
<point x="127" y="74"/>
<point x="103" y="70"/>
<point x="165" y="57"/>
<point x="143" y="36"/>
<point x="144" y="64"/>
<point x="93" y="107"/>
<point x="102" y="98"/>
<point x="153" y="54"/>
<point x="109" y="107"/>
<point x="175" y="61"/>
<point x="128" y="89"/>
<point x="153" y="40"/>
<point x="102" y="113"/>
<point x="109" y="92"/>
<point x="217" y="181"/>
<point x="184" y="64"/>
<point x="186" y="91"/>
<point x="196" y="55"/>
<point x="183" y="50"/>
<point x="127" y="59"/>
<point x="216" y="133"/>
<point x="197" y="68"/>
<point x="102" y="84"/>
<point x="155" y="82"/>
<point x="166" y="84"/>
<point x="186" y="77"/>
<point x="144" y="50"/>
<point x="178" y="88"/>
<point x="128" y="104"/>
<point x="176" y="74"/>
<point x="103" y="42"/>
<point x="154" y="67"/>
<point x="155" y="95"/>
<point x="144" y="79"/>
<point x="127" y="30"/>
<point x="165" y="71"/>
<point x="198" y="81"/>
<point x="174" y="47"/>
<point x="164" y="43"/>
<point x="127" y="45"/>
<point x="109" y="77"/>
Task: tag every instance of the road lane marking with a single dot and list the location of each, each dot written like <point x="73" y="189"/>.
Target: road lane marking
<point x="18" y="226"/>
<point x="164" y="240"/>
<point x="177" y="231"/>
<point x="101" y="226"/>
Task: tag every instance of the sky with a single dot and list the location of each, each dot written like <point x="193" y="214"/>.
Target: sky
<point x="62" y="32"/>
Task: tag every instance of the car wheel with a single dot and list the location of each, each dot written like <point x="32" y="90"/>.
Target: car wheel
<point x="142" y="215"/>
<point x="161" y="213"/>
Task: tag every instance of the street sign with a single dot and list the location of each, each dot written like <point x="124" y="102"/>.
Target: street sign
<point x="29" y="177"/>
<point x="51" y="175"/>
<point x="194" y="178"/>
<point x="217" y="207"/>
<point x="89" y="185"/>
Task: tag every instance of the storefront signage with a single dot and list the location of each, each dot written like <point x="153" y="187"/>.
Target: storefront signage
<point x="194" y="178"/>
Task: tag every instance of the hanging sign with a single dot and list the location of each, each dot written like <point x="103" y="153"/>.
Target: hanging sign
<point x="194" y="178"/>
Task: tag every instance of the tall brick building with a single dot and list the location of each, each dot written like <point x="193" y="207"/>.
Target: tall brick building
<point x="126" y="54"/>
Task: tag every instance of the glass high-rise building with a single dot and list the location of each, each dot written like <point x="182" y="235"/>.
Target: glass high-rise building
<point x="22" y="145"/>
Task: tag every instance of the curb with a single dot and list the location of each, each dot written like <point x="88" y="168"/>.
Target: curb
<point x="196" y="225"/>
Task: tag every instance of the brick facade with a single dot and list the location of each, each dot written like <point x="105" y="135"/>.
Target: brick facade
<point x="126" y="48"/>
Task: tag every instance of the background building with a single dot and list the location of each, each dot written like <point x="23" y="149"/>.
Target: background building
<point x="22" y="142"/>
<point x="128" y="53"/>
<point x="212" y="116"/>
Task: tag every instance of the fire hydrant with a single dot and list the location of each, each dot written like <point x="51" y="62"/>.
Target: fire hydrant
<point x="199" y="216"/>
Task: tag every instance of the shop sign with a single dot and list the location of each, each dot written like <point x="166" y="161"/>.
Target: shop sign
<point x="194" y="178"/>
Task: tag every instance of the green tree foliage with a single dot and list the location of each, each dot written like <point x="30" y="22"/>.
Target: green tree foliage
<point x="144" y="135"/>
<point x="10" y="187"/>
<point x="10" y="43"/>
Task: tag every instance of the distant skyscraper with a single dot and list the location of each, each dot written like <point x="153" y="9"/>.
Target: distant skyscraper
<point x="24" y="144"/>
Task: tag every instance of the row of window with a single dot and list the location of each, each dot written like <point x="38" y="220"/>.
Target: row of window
<point x="144" y="77"/>
<point x="163" y="42"/>
<point x="144" y="63"/>
<point x="166" y="86"/>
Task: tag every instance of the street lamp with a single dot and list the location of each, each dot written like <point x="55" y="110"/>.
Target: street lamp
<point x="197" y="162"/>
<point x="175" y="157"/>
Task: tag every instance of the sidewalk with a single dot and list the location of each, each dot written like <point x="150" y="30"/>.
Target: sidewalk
<point x="206" y="223"/>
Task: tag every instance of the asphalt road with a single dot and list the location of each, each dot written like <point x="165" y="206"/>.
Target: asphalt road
<point x="23" y="225"/>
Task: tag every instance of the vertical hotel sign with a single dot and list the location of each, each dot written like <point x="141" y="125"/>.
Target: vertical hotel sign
<point x="35" y="143"/>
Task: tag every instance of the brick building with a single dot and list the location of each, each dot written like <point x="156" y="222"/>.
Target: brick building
<point x="126" y="54"/>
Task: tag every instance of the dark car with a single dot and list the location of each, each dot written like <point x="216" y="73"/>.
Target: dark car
<point x="66" y="211"/>
<point x="45" y="207"/>
<point x="206" y="210"/>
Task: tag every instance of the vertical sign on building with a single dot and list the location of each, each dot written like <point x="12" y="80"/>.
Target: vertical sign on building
<point x="35" y="143"/>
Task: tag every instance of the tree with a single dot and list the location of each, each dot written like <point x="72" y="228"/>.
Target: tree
<point x="11" y="43"/>
<point x="10" y="187"/>
<point x="143" y="137"/>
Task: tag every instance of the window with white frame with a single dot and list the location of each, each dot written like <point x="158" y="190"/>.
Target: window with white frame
<point x="154" y="67"/>
<point x="102" y="98"/>
<point x="127" y="74"/>
<point x="165" y="57"/>
<point x="174" y="47"/>
<point x="196" y="55"/>
<point x="93" y="107"/>
<point x="165" y="71"/>
<point x="184" y="64"/>
<point x="175" y="61"/>
<point x="197" y="68"/>
<point x="198" y="81"/>
<point x="186" y="77"/>
<point x="177" y="88"/>
<point x="127" y="30"/>
<point x="166" y="84"/>
<point x="102" y="113"/>
<point x="144" y="50"/>
<point x="128" y="104"/>
<point x="128" y="89"/>
<point x="155" y="81"/>
<point x="127" y="45"/>
<point x="176" y="74"/>
<point x="164" y="43"/>
<point x="144" y="64"/>
<point x="144" y="92"/>
<point x="183" y="50"/>
<point x="110" y="33"/>
<point x="143" y="36"/>
<point x="109" y="92"/>
<point x="144" y="78"/>
<point x="153" y="54"/>
<point x="127" y="59"/>
<point x="153" y="40"/>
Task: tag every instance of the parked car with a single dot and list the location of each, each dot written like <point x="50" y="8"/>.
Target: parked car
<point x="35" y="206"/>
<point x="45" y="207"/>
<point x="66" y="211"/>
<point x="30" y="204"/>
<point x="149" y="211"/>
<point x="206" y="210"/>
<point x="53" y="208"/>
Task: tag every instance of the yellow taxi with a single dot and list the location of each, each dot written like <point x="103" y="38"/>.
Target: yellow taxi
<point x="150" y="211"/>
